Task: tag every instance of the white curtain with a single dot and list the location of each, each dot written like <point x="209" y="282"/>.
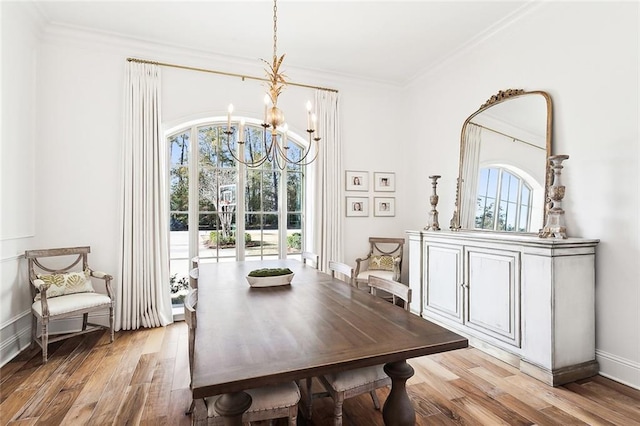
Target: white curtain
<point x="325" y="178"/>
<point x="473" y="140"/>
<point x="143" y="298"/>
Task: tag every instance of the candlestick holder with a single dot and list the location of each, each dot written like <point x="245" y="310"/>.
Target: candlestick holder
<point x="433" y="224"/>
<point x="555" y="225"/>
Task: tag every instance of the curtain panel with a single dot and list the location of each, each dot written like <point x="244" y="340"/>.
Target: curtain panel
<point x="326" y="179"/>
<point x="143" y="297"/>
<point x="473" y="140"/>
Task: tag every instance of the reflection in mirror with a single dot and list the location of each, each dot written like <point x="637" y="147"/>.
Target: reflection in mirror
<point x="504" y="149"/>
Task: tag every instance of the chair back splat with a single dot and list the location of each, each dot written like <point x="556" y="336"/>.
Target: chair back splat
<point x="310" y="258"/>
<point x="399" y="291"/>
<point x="341" y="268"/>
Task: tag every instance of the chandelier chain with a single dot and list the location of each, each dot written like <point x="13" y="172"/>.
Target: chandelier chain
<point x="275" y="29"/>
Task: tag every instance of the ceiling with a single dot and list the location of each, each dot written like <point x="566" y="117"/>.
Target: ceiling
<point x="385" y="41"/>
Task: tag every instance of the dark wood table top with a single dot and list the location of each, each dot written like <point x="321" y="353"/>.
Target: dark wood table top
<point x="249" y="337"/>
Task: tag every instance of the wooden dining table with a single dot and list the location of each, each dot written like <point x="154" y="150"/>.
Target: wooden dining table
<point x="249" y="337"/>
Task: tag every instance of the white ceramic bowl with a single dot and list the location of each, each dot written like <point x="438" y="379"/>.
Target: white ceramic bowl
<point x="270" y="281"/>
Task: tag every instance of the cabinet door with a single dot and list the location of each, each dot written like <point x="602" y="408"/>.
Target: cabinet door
<point x="443" y="279"/>
<point x="492" y="285"/>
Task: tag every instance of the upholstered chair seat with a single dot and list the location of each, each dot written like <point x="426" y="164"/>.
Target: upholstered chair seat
<point x="351" y="379"/>
<point x="72" y="303"/>
<point x="267" y="398"/>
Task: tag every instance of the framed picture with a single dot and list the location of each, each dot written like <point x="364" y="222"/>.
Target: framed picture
<point x="384" y="206"/>
<point x="356" y="181"/>
<point x="384" y="181"/>
<point x="357" y="206"/>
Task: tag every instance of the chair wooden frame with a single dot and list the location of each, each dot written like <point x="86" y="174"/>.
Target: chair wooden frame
<point x="347" y="271"/>
<point x="37" y="286"/>
<point x="399" y="292"/>
<point x="378" y="247"/>
<point x="341" y="268"/>
<point x="307" y="256"/>
<point x="198" y="408"/>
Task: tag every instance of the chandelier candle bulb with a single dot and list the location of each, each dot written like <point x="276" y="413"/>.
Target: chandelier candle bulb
<point x="314" y="119"/>
<point x="229" y="111"/>
<point x="241" y="132"/>
<point x="309" y="116"/>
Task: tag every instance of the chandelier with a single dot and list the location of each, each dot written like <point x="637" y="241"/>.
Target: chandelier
<point x="275" y="148"/>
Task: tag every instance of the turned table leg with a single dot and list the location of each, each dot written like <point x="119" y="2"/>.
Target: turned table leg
<point x="397" y="410"/>
<point x="231" y="406"/>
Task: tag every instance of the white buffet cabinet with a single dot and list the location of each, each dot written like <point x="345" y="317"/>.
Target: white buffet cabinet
<point x="526" y="300"/>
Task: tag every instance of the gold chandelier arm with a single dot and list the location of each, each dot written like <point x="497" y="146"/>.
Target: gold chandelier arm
<point x="257" y="163"/>
<point x="301" y="162"/>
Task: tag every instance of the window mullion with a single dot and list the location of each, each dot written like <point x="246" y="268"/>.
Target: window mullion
<point x="194" y="202"/>
<point x="241" y="171"/>
<point x="282" y="214"/>
<point x="496" y="213"/>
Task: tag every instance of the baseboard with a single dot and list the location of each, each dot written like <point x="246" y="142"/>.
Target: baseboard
<point x="16" y="334"/>
<point x="560" y="376"/>
<point x="621" y="370"/>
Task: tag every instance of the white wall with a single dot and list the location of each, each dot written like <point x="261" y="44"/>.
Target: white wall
<point x="585" y="55"/>
<point x="17" y="219"/>
<point x="69" y="160"/>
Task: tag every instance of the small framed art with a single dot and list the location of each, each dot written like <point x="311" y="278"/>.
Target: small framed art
<point x="384" y="182"/>
<point x="357" y="206"/>
<point x="384" y="206"/>
<point x="356" y="181"/>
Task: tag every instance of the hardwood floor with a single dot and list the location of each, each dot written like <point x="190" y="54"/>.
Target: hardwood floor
<point x="143" y="379"/>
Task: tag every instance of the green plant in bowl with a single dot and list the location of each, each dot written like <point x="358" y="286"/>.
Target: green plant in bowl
<point x="270" y="272"/>
<point x="270" y="277"/>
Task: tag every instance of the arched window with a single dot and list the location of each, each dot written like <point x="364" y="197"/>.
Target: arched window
<point x="503" y="201"/>
<point x="222" y="210"/>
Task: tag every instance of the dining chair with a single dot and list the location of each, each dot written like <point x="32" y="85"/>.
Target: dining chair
<point x="341" y="268"/>
<point x="312" y="258"/>
<point x="194" y="273"/>
<point x="351" y="383"/>
<point x="267" y="403"/>
<point x="347" y="271"/>
<point x="383" y="260"/>
<point x="65" y="292"/>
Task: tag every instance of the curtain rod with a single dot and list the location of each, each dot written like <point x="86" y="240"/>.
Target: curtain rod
<point x="508" y="136"/>
<point x="230" y="74"/>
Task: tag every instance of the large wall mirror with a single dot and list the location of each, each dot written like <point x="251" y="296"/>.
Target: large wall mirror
<point x="504" y="172"/>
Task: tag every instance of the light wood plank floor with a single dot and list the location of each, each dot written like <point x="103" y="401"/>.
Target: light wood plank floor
<point x="143" y="379"/>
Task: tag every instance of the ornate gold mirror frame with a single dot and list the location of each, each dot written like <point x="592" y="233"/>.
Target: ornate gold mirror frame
<point x="508" y="132"/>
